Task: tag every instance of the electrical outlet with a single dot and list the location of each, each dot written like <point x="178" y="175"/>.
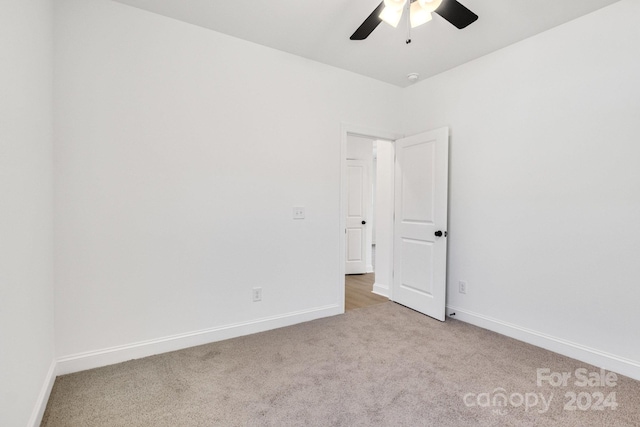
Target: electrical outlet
<point x="298" y="212"/>
<point x="462" y="287"/>
<point x="256" y="294"/>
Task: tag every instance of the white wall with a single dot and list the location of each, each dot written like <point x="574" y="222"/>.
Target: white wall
<point x="180" y="153"/>
<point x="360" y="148"/>
<point x="26" y="265"/>
<point x="385" y="165"/>
<point x="374" y="177"/>
<point x="545" y="185"/>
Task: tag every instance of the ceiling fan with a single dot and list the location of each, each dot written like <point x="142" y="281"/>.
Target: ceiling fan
<point x="419" y="12"/>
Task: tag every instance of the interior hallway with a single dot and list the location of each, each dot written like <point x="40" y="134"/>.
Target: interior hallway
<point x="358" y="291"/>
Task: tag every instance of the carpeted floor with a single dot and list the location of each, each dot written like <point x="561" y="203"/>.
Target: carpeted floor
<point x="384" y="365"/>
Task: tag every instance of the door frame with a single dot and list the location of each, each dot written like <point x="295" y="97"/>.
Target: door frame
<point x="345" y="131"/>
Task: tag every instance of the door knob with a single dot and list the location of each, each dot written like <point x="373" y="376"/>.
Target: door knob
<point x="438" y="233"/>
<point x="364" y="222"/>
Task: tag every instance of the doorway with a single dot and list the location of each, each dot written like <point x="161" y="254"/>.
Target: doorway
<point x="368" y="221"/>
<point x="410" y="225"/>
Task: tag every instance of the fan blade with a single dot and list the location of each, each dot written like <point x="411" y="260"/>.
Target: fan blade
<point x="369" y="24"/>
<point x="456" y="13"/>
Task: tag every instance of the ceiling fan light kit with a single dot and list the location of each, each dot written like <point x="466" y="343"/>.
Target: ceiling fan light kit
<point x="429" y="5"/>
<point x="391" y="15"/>
<point x="419" y="11"/>
<point x="419" y="15"/>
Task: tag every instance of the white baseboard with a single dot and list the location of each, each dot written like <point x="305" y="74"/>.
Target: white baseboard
<point x="110" y="356"/>
<point x="380" y="289"/>
<point x="43" y="397"/>
<point x="601" y="359"/>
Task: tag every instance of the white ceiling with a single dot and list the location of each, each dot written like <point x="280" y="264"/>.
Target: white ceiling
<point x="320" y="30"/>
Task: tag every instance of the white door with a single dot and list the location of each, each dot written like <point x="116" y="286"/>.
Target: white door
<point x="420" y="244"/>
<point x="357" y="204"/>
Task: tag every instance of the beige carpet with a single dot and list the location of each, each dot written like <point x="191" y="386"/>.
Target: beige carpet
<point x="384" y="365"/>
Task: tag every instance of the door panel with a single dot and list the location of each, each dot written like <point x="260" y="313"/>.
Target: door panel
<point x="421" y="210"/>
<point x="417" y="274"/>
<point x="417" y="181"/>
<point x="357" y="204"/>
<point x="354" y="249"/>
